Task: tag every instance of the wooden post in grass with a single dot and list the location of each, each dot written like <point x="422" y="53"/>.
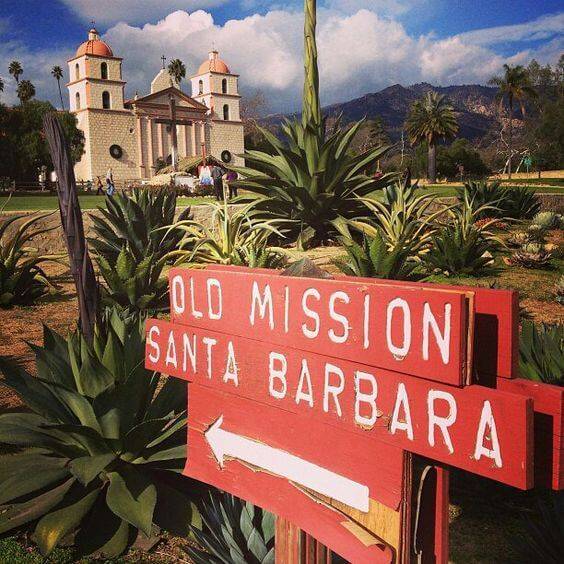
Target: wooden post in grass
<point x="73" y="227"/>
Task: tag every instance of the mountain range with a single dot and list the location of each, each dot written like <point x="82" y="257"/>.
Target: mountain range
<point x="475" y="105"/>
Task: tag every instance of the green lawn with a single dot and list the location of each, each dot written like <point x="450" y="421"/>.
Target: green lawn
<point x="444" y="191"/>
<point x="87" y="202"/>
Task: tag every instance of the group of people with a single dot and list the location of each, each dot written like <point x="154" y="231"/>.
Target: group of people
<point x="221" y="180"/>
<point x="110" y="186"/>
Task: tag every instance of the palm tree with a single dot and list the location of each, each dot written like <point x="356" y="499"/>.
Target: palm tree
<point x="57" y="73"/>
<point x="15" y="69"/>
<point x="431" y="119"/>
<point x="177" y="70"/>
<point x="25" y="91"/>
<point x="513" y="86"/>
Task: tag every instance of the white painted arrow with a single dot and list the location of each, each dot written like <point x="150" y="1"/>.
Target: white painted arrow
<point x="226" y="444"/>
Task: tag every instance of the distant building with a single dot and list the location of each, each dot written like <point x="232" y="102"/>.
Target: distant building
<point x="129" y="136"/>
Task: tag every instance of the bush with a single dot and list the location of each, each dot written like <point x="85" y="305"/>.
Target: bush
<point x="460" y="152"/>
<point x="22" y="280"/>
<point x="99" y="446"/>
<point x="235" y="531"/>
<point x="541" y="353"/>
<point x="373" y="259"/>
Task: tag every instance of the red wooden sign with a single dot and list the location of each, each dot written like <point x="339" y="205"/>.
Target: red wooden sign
<point x="479" y="429"/>
<point x="405" y="329"/>
<point x="245" y="448"/>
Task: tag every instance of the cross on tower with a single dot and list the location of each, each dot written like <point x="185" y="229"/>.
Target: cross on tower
<point x="163" y="59"/>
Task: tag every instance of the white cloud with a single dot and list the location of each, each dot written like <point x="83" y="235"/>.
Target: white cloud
<point x="542" y="28"/>
<point x="359" y="52"/>
<point x="134" y="11"/>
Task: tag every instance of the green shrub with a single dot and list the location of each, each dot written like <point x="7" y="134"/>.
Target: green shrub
<point x="22" y="280"/>
<point x="234" y="237"/>
<point x="312" y="183"/>
<point x="461" y="248"/>
<point x="137" y="221"/>
<point x="373" y="259"/>
<point x="541" y="353"/>
<point x="235" y="532"/>
<point x="99" y="446"/>
<point x="132" y="285"/>
<point x="519" y="203"/>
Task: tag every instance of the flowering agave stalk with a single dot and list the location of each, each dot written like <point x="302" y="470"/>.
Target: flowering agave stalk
<point x="99" y="446"/>
<point x="311" y="180"/>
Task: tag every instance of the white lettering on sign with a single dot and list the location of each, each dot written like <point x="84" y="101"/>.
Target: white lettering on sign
<point x="310" y="333"/>
<point x="214" y="313"/>
<point x="154" y="331"/>
<point x="231" y="369"/>
<point x="443" y="423"/>
<point x="196" y="313"/>
<point x="170" y="359"/>
<point x="401" y="351"/>
<point x="263" y="303"/>
<point x="189" y="352"/>
<point x="487" y="423"/>
<point x="305" y="380"/>
<point x="365" y="398"/>
<point x="443" y="339"/>
<point x="277" y="374"/>
<point x="333" y="390"/>
<point x="343" y="337"/>
<point x="225" y="444"/>
<point x="404" y="424"/>
<point x="366" y="322"/>
<point x="177" y="292"/>
<point x="210" y="343"/>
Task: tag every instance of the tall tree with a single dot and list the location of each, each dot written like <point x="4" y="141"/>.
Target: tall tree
<point x="1" y="84"/>
<point x="514" y="86"/>
<point x="15" y="69"/>
<point x="57" y="73"/>
<point x="25" y="91"/>
<point x="431" y="119"/>
<point x="177" y="70"/>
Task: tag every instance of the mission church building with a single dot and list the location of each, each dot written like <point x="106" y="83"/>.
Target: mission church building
<point x="129" y="136"/>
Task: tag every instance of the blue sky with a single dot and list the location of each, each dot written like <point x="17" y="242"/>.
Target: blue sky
<point x="441" y="41"/>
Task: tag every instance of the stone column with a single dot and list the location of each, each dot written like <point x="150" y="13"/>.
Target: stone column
<point x="140" y="159"/>
<point x="150" y="149"/>
<point x="193" y="146"/>
<point x="160" y="143"/>
<point x="185" y="136"/>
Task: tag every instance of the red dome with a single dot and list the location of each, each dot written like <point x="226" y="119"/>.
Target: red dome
<point x="94" y="46"/>
<point x="213" y="64"/>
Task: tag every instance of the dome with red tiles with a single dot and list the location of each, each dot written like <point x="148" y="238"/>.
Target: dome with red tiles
<point x="214" y="64"/>
<point x="94" y="46"/>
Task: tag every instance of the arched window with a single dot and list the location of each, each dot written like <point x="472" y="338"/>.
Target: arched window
<point x="76" y="71"/>
<point x="226" y="112"/>
<point x="224" y="86"/>
<point x="201" y="87"/>
<point x="106" y="100"/>
<point x="104" y="70"/>
<point x="77" y="101"/>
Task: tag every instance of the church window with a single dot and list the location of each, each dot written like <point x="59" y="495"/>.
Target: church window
<point x="76" y="71"/>
<point x="224" y="86"/>
<point x="104" y="70"/>
<point x="226" y="112"/>
<point x="77" y="101"/>
<point x="106" y="100"/>
<point x="201" y="87"/>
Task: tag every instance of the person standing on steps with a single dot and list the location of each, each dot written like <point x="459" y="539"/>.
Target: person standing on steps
<point x="229" y="177"/>
<point x="99" y="186"/>
<point x="110" y="187"/>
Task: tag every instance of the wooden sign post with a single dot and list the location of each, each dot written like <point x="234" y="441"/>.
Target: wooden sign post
<point x="311" y="398"/>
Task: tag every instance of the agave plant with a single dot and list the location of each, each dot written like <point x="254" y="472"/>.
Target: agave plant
<point x="532" y="258"/>
<point x="22" y="280"/>
<point x="100" y="443"/>
<point x="404" y="217"/>
<point x="136" y="221"/>
<point x="235" y="532"/>
<point x="481" y="194"/>
<point x="460" y="248"/>
<point x="548" y="220"/>
<point x="374" y="259"/>
<point x="132" y="285"/>
<point x="541" y="353"/>
<point x="233" y="238"/>
<point x="519" y="203"/>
